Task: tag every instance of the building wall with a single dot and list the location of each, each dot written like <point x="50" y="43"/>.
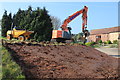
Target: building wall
<point x="92" y="38"/>
<point x="113" y="36"/>
<point x="104" y="37"/>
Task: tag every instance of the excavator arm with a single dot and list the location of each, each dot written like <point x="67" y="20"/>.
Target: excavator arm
<point x="73" y="16"/>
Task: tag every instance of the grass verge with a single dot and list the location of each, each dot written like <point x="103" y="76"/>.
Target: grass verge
<point x="10" y="70"/>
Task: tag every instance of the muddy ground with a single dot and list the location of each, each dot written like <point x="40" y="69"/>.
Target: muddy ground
<point x="63" y="61"/>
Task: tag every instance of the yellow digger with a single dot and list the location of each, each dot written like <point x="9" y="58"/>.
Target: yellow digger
<point x="18" y="33"/>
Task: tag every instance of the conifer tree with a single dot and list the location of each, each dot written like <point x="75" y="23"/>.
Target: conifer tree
<point x="6" y="23"/>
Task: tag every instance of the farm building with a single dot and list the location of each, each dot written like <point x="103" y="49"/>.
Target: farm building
<point x="104" y="34"/>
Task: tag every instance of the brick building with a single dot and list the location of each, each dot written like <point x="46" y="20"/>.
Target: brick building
<point x="104" y="34"/>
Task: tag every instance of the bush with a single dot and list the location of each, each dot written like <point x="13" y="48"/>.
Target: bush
<point x="89" y="43"/>
<point x="115" y="41"/>
<point x="105" y="42"/>
<point x="109" y="42"/>
<point x="100" y="41"/>
<point x="81" y="43"/>
<point x="72" y="43"/>
<point x="96" y="46"/>
<point x="93" y="43"/>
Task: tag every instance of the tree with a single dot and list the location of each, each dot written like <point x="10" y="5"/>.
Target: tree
<point x="0" y="27"/>
<point x="78" y="37"/>
<point x="42" y="25"/>
<point x="29" y="8"/>
<point x="35" y="20"/>
<point x="6" y="23"/>
<point x="0" y="22"/>
<point x="18" y="17"/>
<point x="55" y="22"/>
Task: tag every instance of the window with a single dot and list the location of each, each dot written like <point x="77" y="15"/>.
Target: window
<point x="98" y="36"/>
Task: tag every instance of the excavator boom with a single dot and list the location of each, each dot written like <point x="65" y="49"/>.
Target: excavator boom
<point x="73" y="16"/>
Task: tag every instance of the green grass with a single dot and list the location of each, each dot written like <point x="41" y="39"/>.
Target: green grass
<point x="3" y="38"/>
<point x="90" y="43"/>
<point x="10" y="69"/>
<point x="113" y="46"/>
<point x="96" y="46"/>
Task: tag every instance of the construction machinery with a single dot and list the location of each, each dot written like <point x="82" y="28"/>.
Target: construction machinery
<point x="65" y="34"/>
<point x="18" y="33"/>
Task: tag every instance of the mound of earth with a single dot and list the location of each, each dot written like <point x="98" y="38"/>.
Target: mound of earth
<point x="65" y="61"/>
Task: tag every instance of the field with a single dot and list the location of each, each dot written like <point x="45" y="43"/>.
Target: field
<point x="52" y="60"/>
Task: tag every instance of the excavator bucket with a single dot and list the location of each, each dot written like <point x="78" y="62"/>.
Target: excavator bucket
<point x="86" y="33"/>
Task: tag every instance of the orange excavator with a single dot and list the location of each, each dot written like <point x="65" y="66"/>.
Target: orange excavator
<point x="65" y="33"/>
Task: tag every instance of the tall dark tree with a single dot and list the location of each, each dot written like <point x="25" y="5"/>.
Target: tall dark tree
<point x="29" y="8"/>
<point x="0" y="27"/>
<point x="6" y="23"/>
<point x="0" y="22"/>
<point x="42" y="25"/>
<point x="18" y="17"/>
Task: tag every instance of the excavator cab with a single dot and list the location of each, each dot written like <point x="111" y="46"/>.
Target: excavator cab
<point x="61" y="35"/>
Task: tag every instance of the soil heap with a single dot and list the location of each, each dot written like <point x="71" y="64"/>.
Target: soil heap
<point x="63" y="61"/>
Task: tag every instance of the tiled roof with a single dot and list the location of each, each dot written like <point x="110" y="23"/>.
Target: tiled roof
<point x="105" y="30"/>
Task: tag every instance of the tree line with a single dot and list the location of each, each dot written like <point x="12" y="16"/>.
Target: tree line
<point x="37" y="20"/>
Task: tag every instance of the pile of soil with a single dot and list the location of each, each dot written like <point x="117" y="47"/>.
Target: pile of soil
<point x="65" y="61"/>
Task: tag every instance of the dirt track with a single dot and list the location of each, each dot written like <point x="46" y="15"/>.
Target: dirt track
<point x="51" y="61"/>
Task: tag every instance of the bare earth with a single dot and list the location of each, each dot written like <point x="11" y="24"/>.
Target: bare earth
<point x="65" y="61"/>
